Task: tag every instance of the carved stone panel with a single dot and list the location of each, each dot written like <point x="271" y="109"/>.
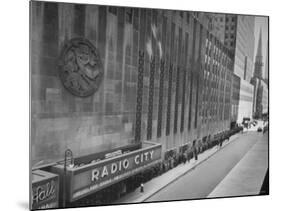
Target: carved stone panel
<point x="80" y="67"/>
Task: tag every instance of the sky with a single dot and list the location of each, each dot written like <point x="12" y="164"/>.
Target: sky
<point x="261" y="23"/>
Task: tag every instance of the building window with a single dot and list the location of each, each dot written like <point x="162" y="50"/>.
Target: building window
<point x="187" y="17"/>
<point x="232" y="27"/>
<point x="226" y="27"/>
<point x="129" y="15"/>
<point x="221" y="19"/>
<point x="181" y="14"/>
<point x="233" y="19"/>
<point x="226" y="19"/>
<point x="113" y="10"/>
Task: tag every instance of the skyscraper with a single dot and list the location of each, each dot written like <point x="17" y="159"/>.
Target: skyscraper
<point x="259" y="62"/>
<point x="218" y="26"/>
<point x="237" y="34"/>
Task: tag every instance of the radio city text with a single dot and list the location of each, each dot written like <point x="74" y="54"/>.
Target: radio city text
<point x="121" y="165"/>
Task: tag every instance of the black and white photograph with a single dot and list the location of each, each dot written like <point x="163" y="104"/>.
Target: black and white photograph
<point x="133" y="105"/>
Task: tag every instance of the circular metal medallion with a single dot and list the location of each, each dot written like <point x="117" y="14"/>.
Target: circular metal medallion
<point x="80" y="67"/>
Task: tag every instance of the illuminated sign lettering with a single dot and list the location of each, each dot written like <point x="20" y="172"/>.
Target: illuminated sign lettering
<point x="45" y="194"/>
<point x="93" y="177"/>
<point x="115" y="167"/>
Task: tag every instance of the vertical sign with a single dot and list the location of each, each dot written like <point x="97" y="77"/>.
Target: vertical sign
<point x="139" y="96"/>
<point x="150" y="98"/>
<point x="169" y="100"/>
<point x="170" y="78"/>
<point x="177" y="100"/>
<point x="160" y="105"/>
<point x="192" y="78"/>
<point x="140" y="74"/>
<point x="184" y="83"/>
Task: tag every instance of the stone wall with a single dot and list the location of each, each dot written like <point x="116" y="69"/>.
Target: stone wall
<point x="61" y="120"/>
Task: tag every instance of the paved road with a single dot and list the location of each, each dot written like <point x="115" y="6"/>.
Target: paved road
<point x="200" y="182"/>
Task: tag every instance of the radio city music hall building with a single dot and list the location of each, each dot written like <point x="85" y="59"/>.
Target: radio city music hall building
<point x="123" y="89"/>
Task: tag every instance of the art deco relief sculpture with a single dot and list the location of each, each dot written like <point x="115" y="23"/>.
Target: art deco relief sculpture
<point x="80" y="67"/>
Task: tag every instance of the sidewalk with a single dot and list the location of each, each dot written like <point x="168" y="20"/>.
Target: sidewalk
<point x="158" y="183"/>
<point x="246" y="178"/>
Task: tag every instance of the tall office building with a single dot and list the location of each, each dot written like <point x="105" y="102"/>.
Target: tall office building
<point x="259" y="59"/>
<point x="217" y="24"/>
<point x="243" y="64"/>
<point x="237" y="34"/>
<point x="245" y="44"/>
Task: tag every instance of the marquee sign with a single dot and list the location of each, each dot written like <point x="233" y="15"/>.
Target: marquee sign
<point x="45" y="190"/>
<point x="90" y="178"/>
<point x="80" y="67"/>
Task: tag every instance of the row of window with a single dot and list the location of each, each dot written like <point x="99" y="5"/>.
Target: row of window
<point x="227" y="19"/>
<point x="229" y="36"/>
<point x="217" y="84"/>
<point x="229" y="27"/>
<point x="219" y="55"/>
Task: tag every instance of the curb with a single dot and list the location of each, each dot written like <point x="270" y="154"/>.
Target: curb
<point x="184" y="173"/>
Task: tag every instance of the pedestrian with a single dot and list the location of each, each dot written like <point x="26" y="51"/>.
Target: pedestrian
<point x="180" y="160"/>
<point x="162" y="167"/>
<point x="195" y="155"/>
<point x="228" y="136"/>
<point x="184" y="157"/>
<point x="141" y="188"/>
<point x="221" y="140"/>
<point x="187" y="155"/>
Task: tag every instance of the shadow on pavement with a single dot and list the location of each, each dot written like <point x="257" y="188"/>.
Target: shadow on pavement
<point x="265" y="185"/>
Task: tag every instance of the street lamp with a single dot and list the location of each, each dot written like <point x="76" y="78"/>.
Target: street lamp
<point x="68" y="159"/>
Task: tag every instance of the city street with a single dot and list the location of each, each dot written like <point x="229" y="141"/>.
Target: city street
<point x="200" y="182"/>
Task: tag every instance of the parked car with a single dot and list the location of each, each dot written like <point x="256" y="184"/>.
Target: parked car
<point x="259" y="129"/>
<point x="265" y="128"/>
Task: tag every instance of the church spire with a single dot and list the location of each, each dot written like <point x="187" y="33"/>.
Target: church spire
<point x="266" y="65"/>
